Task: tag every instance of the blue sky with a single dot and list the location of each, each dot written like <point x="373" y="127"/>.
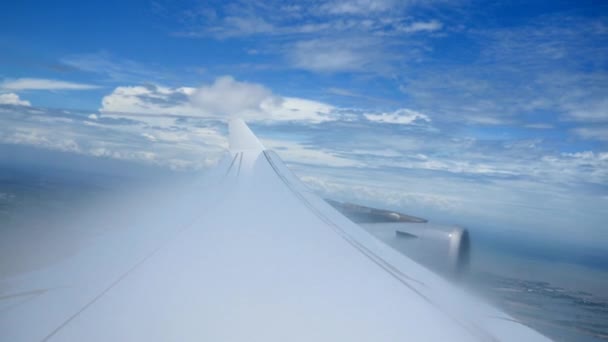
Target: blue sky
<point x="490" y="114"/>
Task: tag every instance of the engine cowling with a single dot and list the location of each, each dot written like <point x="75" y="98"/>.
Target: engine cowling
<point x="444" y="249"/>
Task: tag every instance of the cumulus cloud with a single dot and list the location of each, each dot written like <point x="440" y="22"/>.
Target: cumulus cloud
<point x="13" y="99"/>
<point x="224" y="98"/>
<point x="43" y="84"/>
<point x="227" y="96"/>
<point x="149" y="99"/>
<point x="402" y="117"/>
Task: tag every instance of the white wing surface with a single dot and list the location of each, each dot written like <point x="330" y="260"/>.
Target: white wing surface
<point x="250" y="254"/>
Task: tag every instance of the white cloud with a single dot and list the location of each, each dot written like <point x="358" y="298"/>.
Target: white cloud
<point x="571" y="166"/>
<point x="539" y="126"/>
<point x="150" y="99"/>
<point x="42" y="138"/>
<point x="385" y="196"/>
<point x="149" y="136"/>
<point x="593" y="133"/>
<point x="238" y="26"/>
<point x="298" y="153"/>
<point x="293" y="108"/>
<point x="402" y="117"/>
<point x="422" y="26"/>
<point x="334" y="55"/>
<point x="357" y="7"/>
<point x="456" y="167"/>
<point x="589" y="111"/>
<point x="125" y="155"/>
<point x="228" y="97"/>
<point x="167" y="142"/>
<point x="225" y="97"/>
<point x="369" y="36"/>
<point x="13" y="99"/>
<point x="43" y="84"/>
<point x="115" y="69"/>
<point x="359" y="161"/>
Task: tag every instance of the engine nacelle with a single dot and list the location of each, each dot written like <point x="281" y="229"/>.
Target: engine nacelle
<point x="441" y="248"/>
<point x="444" y="249"/>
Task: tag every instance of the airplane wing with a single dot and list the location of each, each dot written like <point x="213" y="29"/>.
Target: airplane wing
<point x="249" y="254"/>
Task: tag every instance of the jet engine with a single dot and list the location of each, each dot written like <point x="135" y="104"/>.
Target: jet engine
<point x="442" y="248"/>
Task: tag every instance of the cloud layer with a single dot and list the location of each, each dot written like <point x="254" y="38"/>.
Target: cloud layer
<point x="43" y="84"/>
<point x="224" y="98"/>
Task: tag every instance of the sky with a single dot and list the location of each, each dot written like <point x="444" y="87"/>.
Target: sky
<point x="492" y="115"/>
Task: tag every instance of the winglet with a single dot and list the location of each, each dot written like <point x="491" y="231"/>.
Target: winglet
<point x="240" y="137"/>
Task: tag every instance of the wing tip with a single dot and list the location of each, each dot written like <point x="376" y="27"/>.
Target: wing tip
<point x="240" y="137"/>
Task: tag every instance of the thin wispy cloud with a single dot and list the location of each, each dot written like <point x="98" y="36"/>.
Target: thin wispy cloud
<point x="43" y="84"/>
<point x="357" y="7"/>
<point x="401" y="117"/>
<point x="543" y="69"/>
<point x="111" y="68"/>
<point x="593" y="133"/>
<point x="326" y="37"/>
<point x="331" y="55"/>
<point x="422" y="26"/>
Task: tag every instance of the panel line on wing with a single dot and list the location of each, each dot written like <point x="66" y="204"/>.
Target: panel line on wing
<point x="238" y="172"/>
<point x="341" y="231"/>
<point x="231" y="164"/>
<point x="119" y="279"/>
